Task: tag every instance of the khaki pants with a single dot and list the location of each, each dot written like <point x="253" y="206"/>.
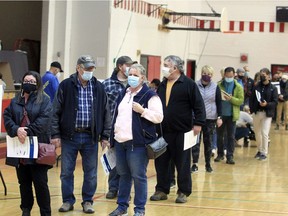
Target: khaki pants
<point x="282" y="107"/>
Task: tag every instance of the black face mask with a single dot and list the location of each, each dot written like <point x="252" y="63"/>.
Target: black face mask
<point x="28" y="88"/>
<point x="262" y="78"/>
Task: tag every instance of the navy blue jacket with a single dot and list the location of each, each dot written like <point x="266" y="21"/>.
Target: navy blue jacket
<point x="65" y="107"/>
<point x="143" y="131"/>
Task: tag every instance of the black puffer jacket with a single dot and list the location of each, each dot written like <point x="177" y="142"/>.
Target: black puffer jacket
<point x="39" y="115"/>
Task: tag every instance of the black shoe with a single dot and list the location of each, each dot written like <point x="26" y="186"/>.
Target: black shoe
<point x="26" y="212"/>
<point x="209" y="168"/>
<point x="194" y="168"/>
<point x="111" y="195"/>
<point x="230" y="161"/>
<point x="246" y="142"/>
<point x="218" y="158"/>
<point x="257" y="156"/>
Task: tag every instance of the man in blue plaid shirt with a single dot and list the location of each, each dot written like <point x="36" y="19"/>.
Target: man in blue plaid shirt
<point x="113" y="87"/>
<point x="81" y="118"/>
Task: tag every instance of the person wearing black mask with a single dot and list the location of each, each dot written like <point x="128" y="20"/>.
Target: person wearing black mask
<point x="36" y="104"/>
<point x="263" y="102"/>
<point x="211" y="95"/>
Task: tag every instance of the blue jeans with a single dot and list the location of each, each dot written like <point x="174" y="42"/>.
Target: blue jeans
<point x="131" y="164"/>
<point x="241" y="132"/>
<point x="81" y="142"/>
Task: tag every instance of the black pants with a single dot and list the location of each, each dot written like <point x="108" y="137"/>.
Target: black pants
<point x="182" y="160"/>
<point x="207" y="131"/>
<point x="227" y="127"/>
<point x="36" y="174"/>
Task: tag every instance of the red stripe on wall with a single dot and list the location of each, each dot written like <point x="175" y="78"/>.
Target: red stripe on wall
<point x="231" y="25"/>
<point x="241" y="26"/>
<point x="202" y="22"/>
<point x="261" y="27"/>
<point x="212" y="24"/>
<point x="281" y="27"/>
<point x="251" y="26"/>
<point x="271" y="27"/>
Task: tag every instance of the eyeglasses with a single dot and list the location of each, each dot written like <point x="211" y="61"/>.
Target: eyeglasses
<point x="30" y="82"/>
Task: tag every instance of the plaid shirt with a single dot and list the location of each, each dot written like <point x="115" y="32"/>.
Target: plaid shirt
<point x="113" y="88"/>
<point x="85" y="100"/>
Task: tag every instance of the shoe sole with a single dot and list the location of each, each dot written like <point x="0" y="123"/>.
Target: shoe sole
<point x="180" y="201"/>
<point x="161" y="198"/>
<point x="64" y="210"/>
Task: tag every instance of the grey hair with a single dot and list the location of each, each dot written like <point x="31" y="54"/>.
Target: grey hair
<point x="139" y="68"/>
<point x="176" y="61"/>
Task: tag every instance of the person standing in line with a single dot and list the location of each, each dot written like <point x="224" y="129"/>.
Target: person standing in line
<point x="282" y="106"/>
<point x="263" y="102"/>
<point x="211" y="95"/>
<point x="50" y="80"/>
<point x="80" y="119"/>
<point x="232" y="98"/>
<point x="138" y="110"/>
<point x="32" y="101"/>
<point x="180" y="98"/>
<point x="113" y="87"/>
<point x="154" y="84"/>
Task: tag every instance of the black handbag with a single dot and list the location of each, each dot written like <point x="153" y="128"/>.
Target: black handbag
<point x="157" y="148"/>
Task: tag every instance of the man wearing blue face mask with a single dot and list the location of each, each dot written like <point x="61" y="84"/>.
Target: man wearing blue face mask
<point x="80" y="119"/>
<point x="113" y="87"/>
<point x="232" y="98"/>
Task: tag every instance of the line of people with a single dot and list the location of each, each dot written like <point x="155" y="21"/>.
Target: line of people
<point x="122" y="112"/>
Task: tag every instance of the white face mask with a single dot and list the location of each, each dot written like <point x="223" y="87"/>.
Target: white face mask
<point x="166" y="71"/>
<point x="58" y="75"/>
<point x="87" y="75"/>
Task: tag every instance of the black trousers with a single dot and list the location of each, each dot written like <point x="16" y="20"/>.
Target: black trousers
<point x="36" y="174"/>
<point x="207" y="132"/>
<point x="182" y="160"/>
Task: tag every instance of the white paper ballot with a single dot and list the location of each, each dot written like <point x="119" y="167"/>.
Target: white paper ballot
<point x="16" y="149"/>
<point x="190" y="140"/>
<point x="258" y="95"/>
<point x="108" y="160"/>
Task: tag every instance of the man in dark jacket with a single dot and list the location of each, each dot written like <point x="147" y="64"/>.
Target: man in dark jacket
<point x="263" y="102"/>
<point x="81" y="118"/>
<point x="181" y="98"/>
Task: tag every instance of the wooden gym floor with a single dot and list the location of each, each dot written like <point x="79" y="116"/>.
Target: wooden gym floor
<point x="250" y="187"/>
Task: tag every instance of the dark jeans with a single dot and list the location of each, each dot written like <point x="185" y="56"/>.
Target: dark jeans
<point x="241" y="132"/>
<point x="113" y="180"/>
<point x="36" y="174"/>
<point x="208" y="131"/>
<point x="182" y="160"/>
<point x="228" y="126"/>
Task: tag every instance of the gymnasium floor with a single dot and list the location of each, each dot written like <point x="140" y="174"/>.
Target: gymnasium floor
<point x="250" y="187"/>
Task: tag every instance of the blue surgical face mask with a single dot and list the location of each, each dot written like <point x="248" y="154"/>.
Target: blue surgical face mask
<point x="133" y="81"/>
<point x="127" y="71"/>
<point x="87" y="75"/>
<point x="229" y="80"/>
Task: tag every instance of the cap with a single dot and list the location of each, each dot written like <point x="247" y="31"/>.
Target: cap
<point x="56" y="65"/>
<point x="239" y="70"/>
<point x="124" y="60"/>
<point x="87" y="61"/>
